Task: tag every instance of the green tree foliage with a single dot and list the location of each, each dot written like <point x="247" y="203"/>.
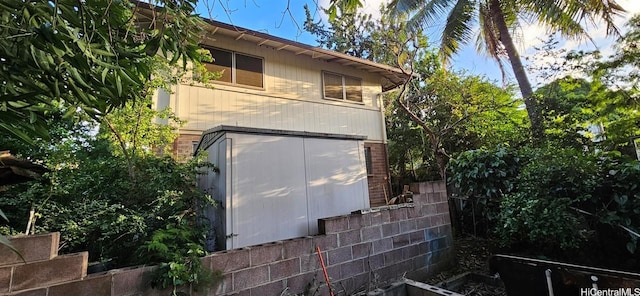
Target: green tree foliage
<point x="497" y="20"/>
<point x="563" y="203"/>
<point x="91" y="55"/>
<point x="451" y="109"/>
<point x="348" y="33"/>
<point x="566" y="110"/>
<point x="616" y="90"/>
<point x="435" y="114"/>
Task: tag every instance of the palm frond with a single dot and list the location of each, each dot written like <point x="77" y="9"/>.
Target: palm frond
<point x="424" y="13"/>
<point x="458" y="28"/>
<point x="488" y="40"/>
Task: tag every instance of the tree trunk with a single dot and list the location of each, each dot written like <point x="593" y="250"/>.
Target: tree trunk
<point x="537" y="130"/>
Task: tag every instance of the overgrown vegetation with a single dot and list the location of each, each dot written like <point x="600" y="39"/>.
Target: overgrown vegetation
<point x="79" y="77"/>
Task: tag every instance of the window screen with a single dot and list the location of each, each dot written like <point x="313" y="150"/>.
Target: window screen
<point x="248" y="70"/>
<point x="333" y="86"/>
<point x="353" y="88"/>
<point x="222" y="62"/>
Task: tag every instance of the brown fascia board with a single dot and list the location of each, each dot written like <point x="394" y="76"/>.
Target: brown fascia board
<point x="393" y="76"/>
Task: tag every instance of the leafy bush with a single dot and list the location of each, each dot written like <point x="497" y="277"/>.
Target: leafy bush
<point x="482" y="177"/>
<point x="554" y="201"/>
<point x="549" y="184"/>
<point x="95" y="204"/>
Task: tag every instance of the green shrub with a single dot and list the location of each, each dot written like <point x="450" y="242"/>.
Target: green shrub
<point x="482" y="177"/>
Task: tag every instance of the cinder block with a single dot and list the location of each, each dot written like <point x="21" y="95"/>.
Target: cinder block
<point x="401" y="240"/>
<point x="250" y="277"/>
<point x="32" y="248"/>
<point x="423" y="222"/>
<point x="426" y="187"/>
<point x="275" y="288"/>
<point x="283" y="269"/>
<point x="357" y="221"/>
<point x="373" y="262"/>
<point x="325" y="242"/>
<point x="412" y="212"/>
<point x="416" y="237"/>
<point x="371" y="233"/>
<point x="376" y="218"/>
<point x="267" y="253"/>
<point x="442" y="207"/>
<point x="339" y="255"/>
<point x="386" y="216"/>
<point x="99" y="285"/>
<point x="414" y="187"/>
<point x="297" y="247"/>
<point x="408" y="225"/>
<point x="351" y="268"/>
<point x="390" y="229"/>
<point x="348" y="238"/>
<point x="437" y="220"/>
<point x="131" y="281"/>
<point x="5" y="279"/>
<point x="39" y="274"/>
<point x="230" y="260"/>
<point x="398" y="214"/>
<point x="428" y="210"/>
<point x="410" y="251"/>
<point x="333" y="224"/>
<point x="392" y="257"/>
<point x="311" y="262"/>
<point x="420" y="198"/>
<point x="299" y="284"/>
<point x="382" y="245"/>
<point x="362" y="250"/>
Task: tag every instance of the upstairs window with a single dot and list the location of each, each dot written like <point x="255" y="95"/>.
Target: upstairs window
<point x="237" y="68"/>
<point x="341" y="87"/>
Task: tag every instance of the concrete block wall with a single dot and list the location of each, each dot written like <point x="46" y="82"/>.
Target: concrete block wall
<point x="362" y="251"/>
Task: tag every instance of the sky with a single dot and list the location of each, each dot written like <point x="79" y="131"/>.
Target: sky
<point x="285" y="18"/>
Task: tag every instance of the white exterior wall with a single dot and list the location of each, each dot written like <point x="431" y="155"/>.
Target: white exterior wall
<point x="291" y="99"/>
<point x="273" y="187"/>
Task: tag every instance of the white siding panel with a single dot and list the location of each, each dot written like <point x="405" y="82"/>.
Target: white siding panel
<point x="291" y="98"/>
<point x="205" y="108"/>
<point x="269" y="196"/>
<point x="336" y="178"/>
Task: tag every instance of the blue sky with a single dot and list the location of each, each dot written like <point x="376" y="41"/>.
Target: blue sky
<point x="285" y="18"/>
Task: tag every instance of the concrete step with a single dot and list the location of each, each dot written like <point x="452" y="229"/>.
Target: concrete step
<point x="24" y="276"/>
<point x="32" y="248"/>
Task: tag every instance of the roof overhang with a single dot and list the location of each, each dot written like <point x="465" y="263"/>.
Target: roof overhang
<point x="392" y="77"/>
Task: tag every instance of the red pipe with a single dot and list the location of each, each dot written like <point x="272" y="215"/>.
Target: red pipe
<point x="324" y="270"/>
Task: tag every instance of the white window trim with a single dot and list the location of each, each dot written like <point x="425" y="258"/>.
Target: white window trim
<point x="344" y="88"/>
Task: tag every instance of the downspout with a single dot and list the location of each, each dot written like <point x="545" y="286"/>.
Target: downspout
<point x="384" y="142"/>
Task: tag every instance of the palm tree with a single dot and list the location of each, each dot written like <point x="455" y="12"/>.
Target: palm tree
<point x="497" y="20"/>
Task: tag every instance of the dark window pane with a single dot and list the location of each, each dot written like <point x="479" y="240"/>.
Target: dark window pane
<point x="368" y="161"/>
<point x="222" y="62"/>
<point x="353" y="88"/>
<point x="248" y="70"/>
<point x="332" y="86"/>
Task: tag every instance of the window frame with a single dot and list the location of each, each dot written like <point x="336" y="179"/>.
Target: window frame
<point x="368" y="161"/>
<point x="234" y="59"/>
<point x="343" y="86"/>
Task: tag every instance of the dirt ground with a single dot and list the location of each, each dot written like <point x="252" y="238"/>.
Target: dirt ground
<point x="472" y="255"/>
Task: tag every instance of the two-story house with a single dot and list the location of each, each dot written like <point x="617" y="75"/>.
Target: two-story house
<point x="296" y="131"/>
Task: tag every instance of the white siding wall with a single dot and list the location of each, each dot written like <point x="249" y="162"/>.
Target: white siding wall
<point x="291" y="99"/>
<point x="273" y="187"/>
